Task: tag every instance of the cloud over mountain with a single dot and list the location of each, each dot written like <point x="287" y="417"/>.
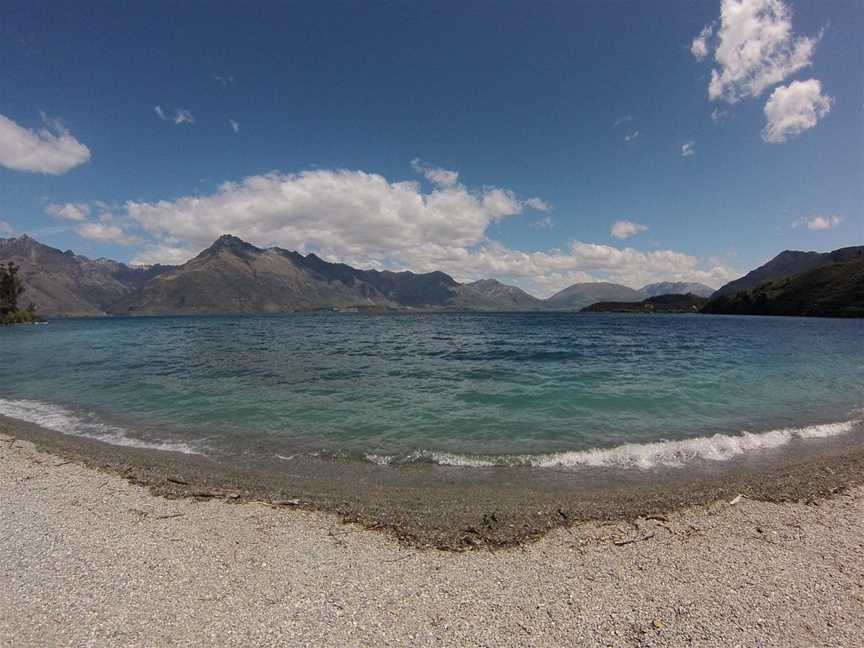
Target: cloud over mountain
<point x="367" y="221"/>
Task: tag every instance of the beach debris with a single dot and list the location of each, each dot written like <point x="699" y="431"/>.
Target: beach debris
<point x="737" y="500"/>
<point x="621" y="543"/>
<point x="657" y="518"/>
<point x="286" y="502"/>
<point x="169" y="516"/>
<point x="62" y="463"/>
<point x="175" y="480"/>
<point x="658" y="623"/>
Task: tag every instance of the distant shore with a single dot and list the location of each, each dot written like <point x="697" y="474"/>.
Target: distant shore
<point x="457" y="508"/>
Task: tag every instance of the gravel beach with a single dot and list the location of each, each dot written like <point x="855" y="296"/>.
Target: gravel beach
<point x="89" y="559"/>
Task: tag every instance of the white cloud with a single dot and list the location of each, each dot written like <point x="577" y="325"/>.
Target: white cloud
<point x="818" y="222"/>
<point x="183" y="116"/>
<point x="792" y="109"/>
<point x="5" y="228"/>
<point x="629" y="137"/>
<point x="538" y="204"/>
<point x="688" y="149"/>
<point x="68" y="211"/>
<point x="623" y="229"/>
<point x="234" y="125"/>
<point x="756" y="49"/>
<point x="224" y="79"/>
<point x="436" y="175"/>
<point x="52" y="150"/>
<point x="699" y="48"/>
<point x="163" y="254"/>
<point x="622" y="120"/>
<point x="367" y="221"/>
<point x="105" y="233"/>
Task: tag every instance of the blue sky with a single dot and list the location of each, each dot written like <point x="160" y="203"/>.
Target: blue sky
<point x="560" y="118"/>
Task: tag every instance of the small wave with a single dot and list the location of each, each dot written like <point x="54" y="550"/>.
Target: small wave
<point x="719" y="447"/>
<point x="60" y="419"/>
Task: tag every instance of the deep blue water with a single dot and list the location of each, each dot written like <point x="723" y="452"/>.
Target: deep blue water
<point x="537" y="388"/>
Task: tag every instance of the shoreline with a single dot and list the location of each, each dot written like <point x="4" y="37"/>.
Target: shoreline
<point x="88" y="558"/>
<point x="452" y="508"/>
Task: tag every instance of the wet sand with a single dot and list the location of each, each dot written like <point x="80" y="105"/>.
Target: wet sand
<point x="88" y="558"/>
<point x="456" y="508"/>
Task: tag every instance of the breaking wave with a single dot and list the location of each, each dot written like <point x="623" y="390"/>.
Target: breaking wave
<point x="719" y="447"/>
<point x="60" y="419"/>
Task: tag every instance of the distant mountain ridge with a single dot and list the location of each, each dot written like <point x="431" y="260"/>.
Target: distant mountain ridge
<point x="233" y="277"/>
<point x="789" y="263"/>
<point x="63" y="283"/>
<point x="579" y="295"/>
<point x="833" y="290"/>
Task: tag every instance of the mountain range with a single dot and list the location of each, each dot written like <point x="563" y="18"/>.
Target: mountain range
<point x="233" y="277"/>
<point x="830" y="285"/>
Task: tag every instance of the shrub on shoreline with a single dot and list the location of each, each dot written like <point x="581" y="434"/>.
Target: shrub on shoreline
<point x="21" y="317"/>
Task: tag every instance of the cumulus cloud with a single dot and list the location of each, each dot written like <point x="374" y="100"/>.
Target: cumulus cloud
<point x="160" y="113"/>
<point x="623" y="229"/>
<point x="68" y="211"/>
<point x="367" y="221"/>
<point x="688" y="149"/>
<point x="629" y="137"/>
<point x="818" y="222"/>
<point x="792" y="109"/>
<point x="52" y="149"/>
<point x="699" y="47"/>
<point x="164" y="254"/>
<point x="755" y="50"/>
<point x="234" y="125"/>
<point x="105" y="233"/>
<point x="5" y="229"/>
<point x="436" y="175"/>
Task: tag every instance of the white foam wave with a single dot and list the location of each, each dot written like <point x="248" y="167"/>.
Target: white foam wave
<point x="719" y="447"/>
<point x="60" y="419"/>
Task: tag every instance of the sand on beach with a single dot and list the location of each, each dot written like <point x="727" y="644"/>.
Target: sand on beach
<point x="88" y="559"/>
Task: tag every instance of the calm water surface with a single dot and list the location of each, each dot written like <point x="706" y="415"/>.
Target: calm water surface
<point x="467" y="389"/>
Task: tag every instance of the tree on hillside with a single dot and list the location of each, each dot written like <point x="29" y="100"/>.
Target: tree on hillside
<point x="11" y="288"/>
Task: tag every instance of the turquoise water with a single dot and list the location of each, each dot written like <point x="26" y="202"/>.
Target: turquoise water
<point x="543" y="389"/>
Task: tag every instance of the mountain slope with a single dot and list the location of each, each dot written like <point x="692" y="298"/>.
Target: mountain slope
<point x="65" y="284"/>
<point x="677" y="288"/>
<point x="835" y="290"/>
<point x="789" y="263"/>
<point x="233" y="276"/>
<point x="580" y="295"/>
<point x="504" y="295"/>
